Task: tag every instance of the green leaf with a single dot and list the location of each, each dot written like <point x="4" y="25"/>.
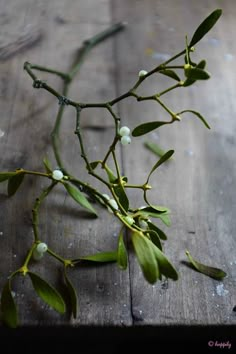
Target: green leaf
<point x="163" y="159"/>
<point x="72" y="295"/>
<point x="99" y="257"/>
<point x="8" y="306"/>
<point x="212" y="272"/>
<point x="170" y="73"/>
<point x="160" y="233"/>
<point x="122" y="258"/>
<point x="47" y="165"/>
<point x="156" y="149"/>
<point x="198" y="115"/>
<point x="47" y="293"/>
<point x="147" y="127"/>
<point x="197" y="74"/>
<point x="144" y="250"/>
<point x="205" y="27"/>
<point x="79" y="198"/>
<point x="157" y="209"/>
<point x="164" y="218"/>
<point x="6" y="175"/>
<point x="123" y="199"/>
<point x="111" y="176"/>
<point x="166" y="268"/>
<point x="14" y="183"/>
<point x="201" y="64"/>
<point x="154" y="238"/>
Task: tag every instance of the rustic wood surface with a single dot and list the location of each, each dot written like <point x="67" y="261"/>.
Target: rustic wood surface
<point x="199" y="185"/>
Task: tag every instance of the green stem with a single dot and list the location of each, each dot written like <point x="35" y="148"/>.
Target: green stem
<point x="57" y="256"/>
<point x="36" y="207"/>
<point x="64" y="76"/>
<point x="169" y="89"/>
<point x="41" y="174"/>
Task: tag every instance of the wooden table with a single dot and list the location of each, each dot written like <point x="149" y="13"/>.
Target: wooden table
<point x="199" y="185"/>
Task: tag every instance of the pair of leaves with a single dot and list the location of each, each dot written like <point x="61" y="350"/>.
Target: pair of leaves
<point x="190" y="80"/>
<point x="43" y="289"/>
<point x="152" y="260"/>
<point x="79" y="198"/>
<point x="212" y="272"/>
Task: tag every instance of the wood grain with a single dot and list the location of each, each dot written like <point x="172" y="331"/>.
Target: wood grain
<point x="198" y="185"/>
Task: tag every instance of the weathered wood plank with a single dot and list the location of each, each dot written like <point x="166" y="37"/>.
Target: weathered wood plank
<point x="27" y="123"/>
<point x="199" y="185"/>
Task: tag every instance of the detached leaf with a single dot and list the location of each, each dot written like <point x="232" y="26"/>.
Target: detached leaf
<point x="79" y="198"/>
<point x="6" y="175"/>
<point x="166" y="268"/>
<point x="144" y="250"/>
<point x="164" y="158"/>
<point x="99" y="257"/>
<point x="212" y="272"/>
<point x="205" y="27"/>
<point x="170" y="73"/>
<point x="47" y="165"/>
<point x="123" y="199"/>
<point x="147" y="127"/>
<point x="160" y="233"/>
<point x="198" y="115"/>
<point x="14" y="183"/>
<point x="8" y="306"/>
<point x="72" y="294"/>
<point x="47" y="293"/>
<point x="154" y="148"/>
<point x="122" y="258"/>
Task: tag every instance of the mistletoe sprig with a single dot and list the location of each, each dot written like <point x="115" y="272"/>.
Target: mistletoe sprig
<point x="136" y="222"/>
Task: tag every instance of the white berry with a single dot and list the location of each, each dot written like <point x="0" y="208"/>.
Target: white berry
<point x="125" y="140"/>
<point x="113" y="204"/>
<point x="106" y="196"/>
<point x="42" y="247"/>
<point x="124" y="131"/>
<point x="142" y="73"/>
<point x="57" y="175"/>
<point x="37" y="255"/>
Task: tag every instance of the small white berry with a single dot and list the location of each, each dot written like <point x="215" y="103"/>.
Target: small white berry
<point x="42" y="247"/>
<point x="37" y="255"/>
<point x="142" y="73"/>
<point x="143" y="224"/>
<point x="57" y="175"/>
<point x="124" y="131"/>
<point x="106" y="196"/>
<point x="125" y="140"/>
<point x="113" y="204"/>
